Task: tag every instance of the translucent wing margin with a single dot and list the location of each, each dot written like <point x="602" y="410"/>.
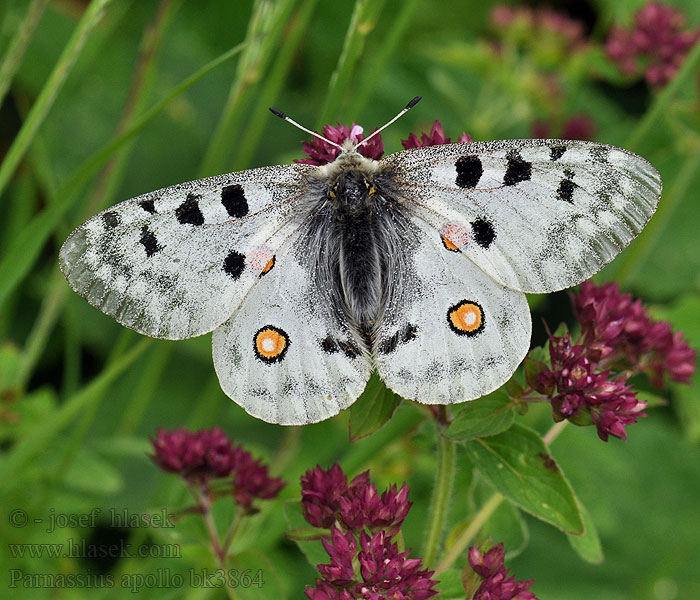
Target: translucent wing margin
<point x="536" y="215"/>
<point x="176" y="262"/>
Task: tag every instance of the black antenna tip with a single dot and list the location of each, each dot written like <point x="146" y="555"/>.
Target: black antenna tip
<point x="413" y="102"/>
<point x="278" y="113"/>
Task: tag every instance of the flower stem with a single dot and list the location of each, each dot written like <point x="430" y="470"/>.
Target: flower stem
<point x="232" y="532"/>
<point x="554" y="432"/>
<point x="218" y="550"/>
<point x="468" y="534"/>
<point x="441" y="498"/>
<point x="486" y="511"/>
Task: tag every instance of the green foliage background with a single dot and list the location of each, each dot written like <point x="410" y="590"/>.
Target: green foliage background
<point x="79" y="394"/>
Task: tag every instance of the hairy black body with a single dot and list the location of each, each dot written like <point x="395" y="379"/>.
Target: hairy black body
<point x="357" y="239"/>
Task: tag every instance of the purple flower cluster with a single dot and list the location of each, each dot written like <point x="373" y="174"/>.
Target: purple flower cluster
<point x="328" y="499"/>
<point x="583" y="394"/>
<point x="195" y="455"/>
<point x="496" y="584"/>
<point x="435" y="138"/>
<point x="619" y="327"/>
<point x="655" y="46"/>
<point x="372" y="568"/>
<point x="199" y="456"/>
<point x="321" y="153"/>
<point x="587" y="381"/>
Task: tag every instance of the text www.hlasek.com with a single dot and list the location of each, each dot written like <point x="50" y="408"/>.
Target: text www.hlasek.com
<point x="81" y="549"/>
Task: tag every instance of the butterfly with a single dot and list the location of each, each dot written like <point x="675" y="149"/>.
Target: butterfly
<point x="415" y="265"/>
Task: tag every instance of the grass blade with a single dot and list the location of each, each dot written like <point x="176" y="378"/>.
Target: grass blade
<point x="25" y="248"/>
<point x="13" y="57"/>
<point x="48" y="94"/>
<point x="364" y="19"/>
<point x="42" y="435"/>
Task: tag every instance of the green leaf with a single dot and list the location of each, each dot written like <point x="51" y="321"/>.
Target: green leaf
<point x="486" y="416"/>
<point x="372" y="409"/>
<point x="507" y="525"/>
<point x="254" y="575"/>
<point x="92" y="474"/>
<point x="518" y="464"/>
<point x="313" y="550"/>
<point x="587" y="545"/>
<point x="450" y="585"/>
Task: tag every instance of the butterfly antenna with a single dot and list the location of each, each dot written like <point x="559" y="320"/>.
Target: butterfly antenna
<point x="406" y="108"/>
<point x="284" y="117"/>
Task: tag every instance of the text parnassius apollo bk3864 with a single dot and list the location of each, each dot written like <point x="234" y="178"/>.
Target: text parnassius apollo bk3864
<point x="415" y="265"/>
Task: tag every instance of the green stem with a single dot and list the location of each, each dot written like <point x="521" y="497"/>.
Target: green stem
<point x="48" y="93"/>
<point x="362" y="23"/>
<point x="470" y="532"/>
<point x="485" y="512"/>
<point x="232" y="532"/>
<point x="265" y="28"/>
<point x="633" y="259"/>
<point x="204" y="503"/>
<point x="660" y="106"/>
<point x="24" y="249"/>
<point x="440" y="500"/>
<point x="43" y="434"/>
<point x="13" y="57"/>
<point x="554" y="432"/>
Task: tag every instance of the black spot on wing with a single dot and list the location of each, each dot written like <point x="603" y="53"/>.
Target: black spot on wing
<point x="556" y="152"/>
<point x="328" y="345"/>
<point x="148" y="206"/>
<point x="469" y="171"/>
<point x="111" y="219"/>
<point x="600" y="153"/>
<point x="517" y="170"/>
<point x="149" y="241"/>
<point x="234" y="201"/>
<point x="188" y="212"/>
<point x="409" y="333"/>
<point x="234" y="264"/>
<point x="484" y="233"/>
<point x="566" y="188"/>
<point x="402" y="336"/>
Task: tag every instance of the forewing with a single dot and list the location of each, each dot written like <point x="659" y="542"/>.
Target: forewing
<point x="286" y="356"/>
<point x="536" y="215"/>
<point x="455" y="333"/>
<point x="176" y="262"/>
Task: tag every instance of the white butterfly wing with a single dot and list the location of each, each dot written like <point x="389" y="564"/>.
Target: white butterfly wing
<point x="536" y="215"/>
<point x="285" y="356"/>
<point x="176" y="262"/>
<point x="455" y="334"/>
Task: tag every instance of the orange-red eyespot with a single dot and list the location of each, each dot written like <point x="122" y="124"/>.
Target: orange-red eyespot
<point x="466" y="318"/>
<point x="454" y="236"/>
<point x="268" y="267"/>
<point x="270" y="344"/>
